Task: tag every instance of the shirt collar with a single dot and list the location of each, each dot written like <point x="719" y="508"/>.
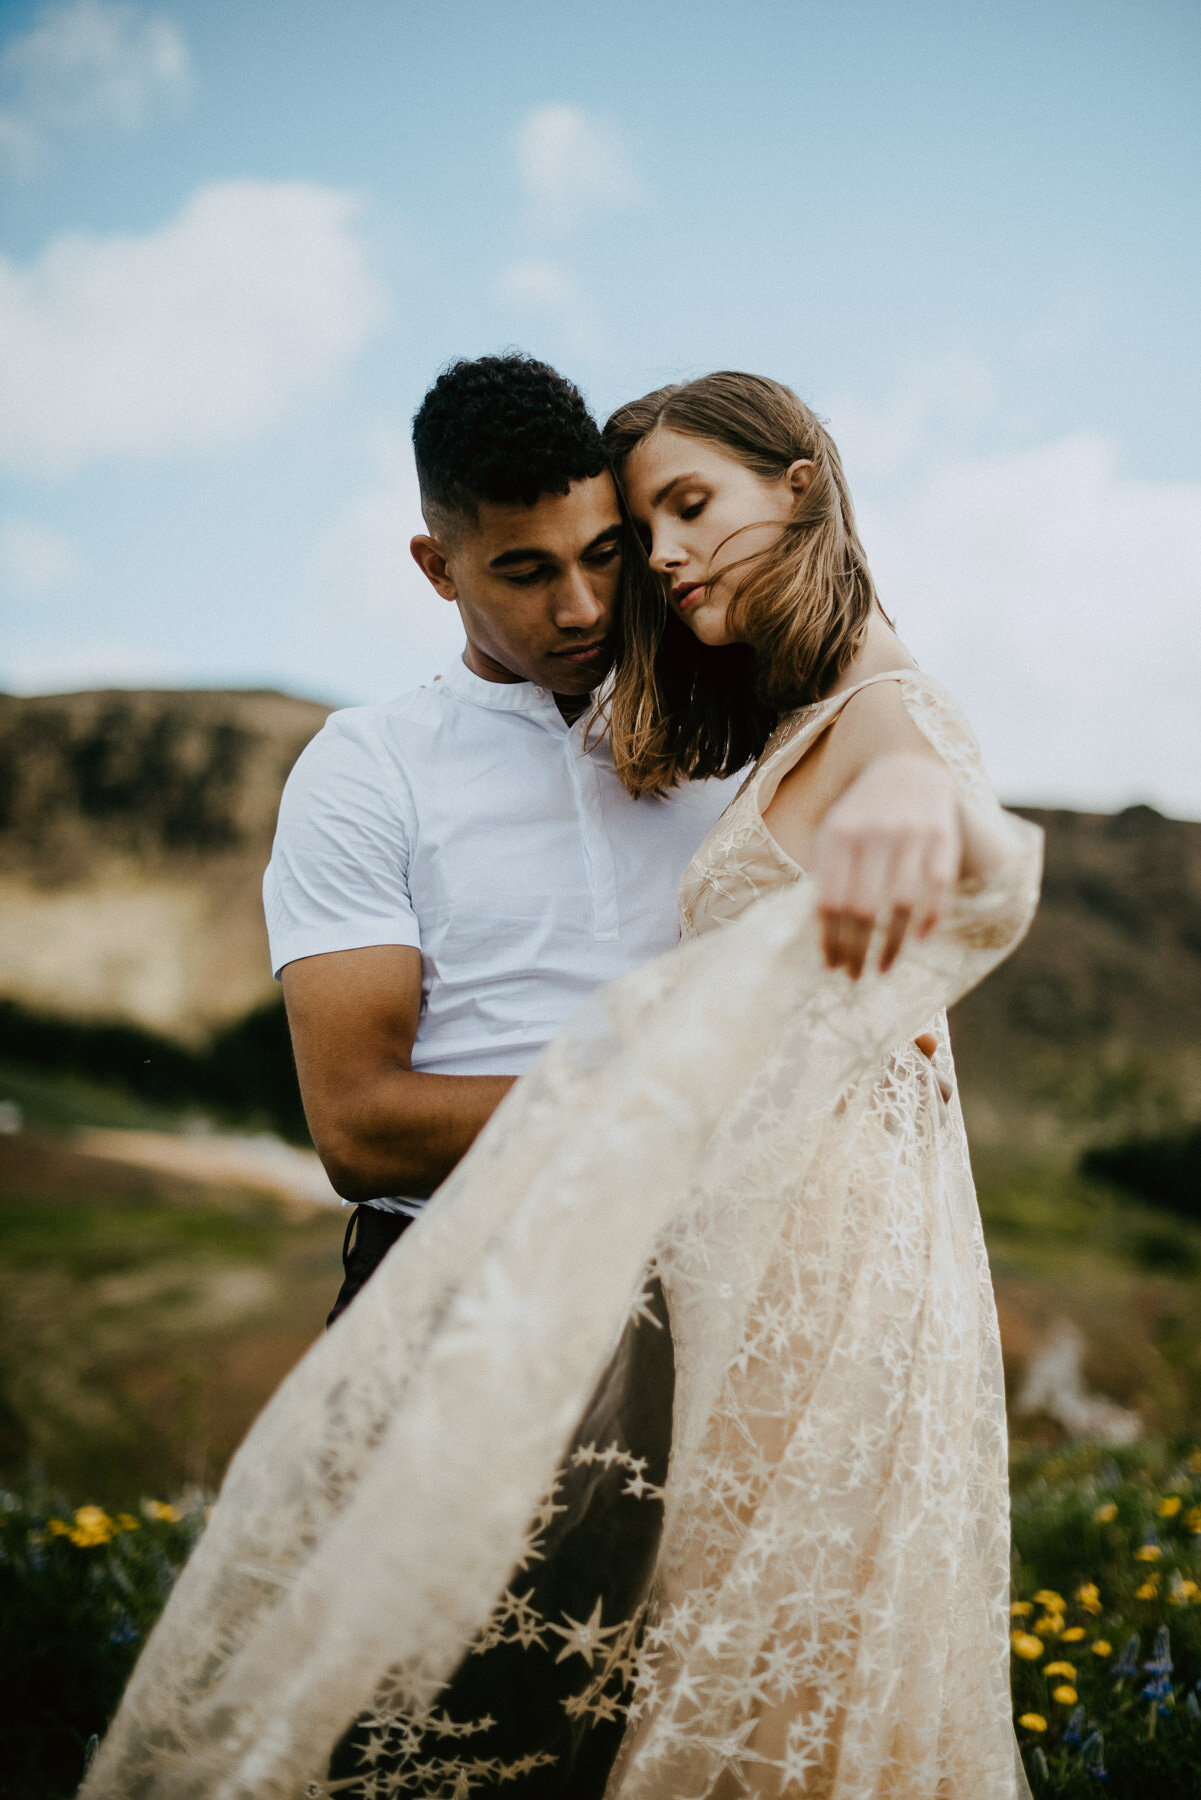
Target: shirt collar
<point x="502" y="696"/>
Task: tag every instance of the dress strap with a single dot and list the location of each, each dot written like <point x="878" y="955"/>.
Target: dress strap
<point x="796" y="735"/>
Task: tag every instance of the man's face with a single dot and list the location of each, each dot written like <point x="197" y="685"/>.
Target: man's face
<point x="536" y="585"/>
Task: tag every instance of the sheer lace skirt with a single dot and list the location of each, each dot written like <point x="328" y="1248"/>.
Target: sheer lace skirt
<point x="834" y="1575"/>
<point x="833" y="1568"/>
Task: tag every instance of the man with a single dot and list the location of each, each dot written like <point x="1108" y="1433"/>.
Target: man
<point x="454" y="872"/>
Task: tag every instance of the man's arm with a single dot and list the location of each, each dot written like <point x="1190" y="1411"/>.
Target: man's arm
<point x="379" y="1128"/>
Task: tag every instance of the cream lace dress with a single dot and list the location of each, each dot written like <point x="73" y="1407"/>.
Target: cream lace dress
<point x="833" y="1577"/>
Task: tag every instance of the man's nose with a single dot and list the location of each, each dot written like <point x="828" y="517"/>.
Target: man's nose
<point x="577" y="607"/>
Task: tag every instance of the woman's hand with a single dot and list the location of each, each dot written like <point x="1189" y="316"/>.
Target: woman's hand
<point x="888" y="853"/>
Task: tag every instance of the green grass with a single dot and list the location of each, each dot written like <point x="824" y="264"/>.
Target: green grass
<point x="143" y="1325"/>
<point x="52" y="1101"/>
<point x="73" y="1617"/>
<point x="1107" y="1579"/>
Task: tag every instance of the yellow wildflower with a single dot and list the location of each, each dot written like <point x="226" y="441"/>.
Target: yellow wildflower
<point x="127" y="1522"/>
<point x="1148" y="1553"/>
<point x="1032" y="1722"/>
<point x="1061" y="1668"/>
<point x="92" y="1526"/>
<point x="1089" y="1597"/>
<point x="161" y="1510"/>
<point x="1065" y="1695"/>
<point x="1020" y="1608"/>
<point x="1170" y="1505"/>
<point x="1149" y="1589"/>
<point x="1073" y="1634"/>
<point x="1101" y="1647"/>
<point x="1050" y="1599"/>
<point x="1050" y="1625"/>
<point x="1027" y="1647"/>
<point x="59" y="1528"/>
<point x="1183" y="1591"/>
<point x="1107" y="1512"/>
<point x="1192" y="1519"/>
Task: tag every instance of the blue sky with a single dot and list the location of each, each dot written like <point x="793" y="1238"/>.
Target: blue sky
<point x="238" y="239"/>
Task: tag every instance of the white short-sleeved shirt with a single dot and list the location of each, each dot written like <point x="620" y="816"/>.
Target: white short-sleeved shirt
<point x="468" y="820"/>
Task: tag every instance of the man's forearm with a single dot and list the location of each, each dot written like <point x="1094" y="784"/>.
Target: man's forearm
<point x="405" y="1135"/>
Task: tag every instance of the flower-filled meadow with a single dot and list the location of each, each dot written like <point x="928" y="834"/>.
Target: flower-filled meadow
<point x="1106" y="1621"/>
<point x="1105" y="1626"/>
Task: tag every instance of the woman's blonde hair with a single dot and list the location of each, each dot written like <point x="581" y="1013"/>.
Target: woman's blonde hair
<point x="678" y="708"/>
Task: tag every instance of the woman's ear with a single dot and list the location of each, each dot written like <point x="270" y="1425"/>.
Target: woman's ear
<point x="799" y="474"/>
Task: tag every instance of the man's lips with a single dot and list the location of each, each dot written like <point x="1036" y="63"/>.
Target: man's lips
<point x="581" y="652"/>
<point x="687" y="594"/>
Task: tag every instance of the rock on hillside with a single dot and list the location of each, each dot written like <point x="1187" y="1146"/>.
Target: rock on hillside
<point x="134" y="830"/>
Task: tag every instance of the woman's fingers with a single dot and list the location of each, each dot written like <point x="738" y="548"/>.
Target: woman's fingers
<point x="940" y="867"/>
<point x="870" y="884"/>
<point x="894" y="937"/>
<point x="904" y="896"/>
<point x="887" y="854"/>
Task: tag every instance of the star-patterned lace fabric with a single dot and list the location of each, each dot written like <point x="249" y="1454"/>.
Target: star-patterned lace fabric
<point x="830" y="1605"/>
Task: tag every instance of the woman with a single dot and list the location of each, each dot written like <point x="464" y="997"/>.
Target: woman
<point x="839" y="1504"/>
<point x="829" y="1617"/>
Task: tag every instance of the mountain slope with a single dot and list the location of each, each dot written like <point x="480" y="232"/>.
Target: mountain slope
<point x="135" y="826"/>
<point x="134" y="830"/>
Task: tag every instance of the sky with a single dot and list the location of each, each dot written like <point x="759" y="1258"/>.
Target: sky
<point x="239" y="238"/>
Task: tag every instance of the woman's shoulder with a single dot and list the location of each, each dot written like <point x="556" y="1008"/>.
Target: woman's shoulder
<point x="884" y="712"/>
<point x="823" y="746"/>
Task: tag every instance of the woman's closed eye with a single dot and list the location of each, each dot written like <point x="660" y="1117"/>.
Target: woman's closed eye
<point x="693" y="511"/>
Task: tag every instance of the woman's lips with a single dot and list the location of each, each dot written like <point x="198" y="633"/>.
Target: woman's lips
<point x="688" y="595"/>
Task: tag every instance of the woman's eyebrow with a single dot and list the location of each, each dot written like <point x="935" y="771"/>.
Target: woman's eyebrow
<point x="660" y="497"/>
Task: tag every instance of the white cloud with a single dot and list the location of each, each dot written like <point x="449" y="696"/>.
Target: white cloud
<point x="85" y="65"/>
<point x="198" y="334"/>
<point x="34" y="560"/>
<point x="938" y="396"/>
<point x="572" y="163"/>
<point x="368" y="585"/>
<point x="1059" y="597"/>
<point x="549" y="291"/>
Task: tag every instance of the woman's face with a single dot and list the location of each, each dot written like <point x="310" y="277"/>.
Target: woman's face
<point x="687" y="499"/>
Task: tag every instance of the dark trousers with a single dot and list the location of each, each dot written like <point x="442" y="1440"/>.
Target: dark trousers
<point x="369" y="1237"/>
<point x="537" y="1710"/>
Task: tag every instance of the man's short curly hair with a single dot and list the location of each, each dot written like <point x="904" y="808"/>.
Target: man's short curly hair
<point x="505" y="429"/>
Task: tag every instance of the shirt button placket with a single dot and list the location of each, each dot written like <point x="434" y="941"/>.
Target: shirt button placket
<point x="598" y="852"/>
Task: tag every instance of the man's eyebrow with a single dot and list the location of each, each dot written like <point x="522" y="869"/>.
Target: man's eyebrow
<point x="507" y="558"/>
<point x="660" y="497"/>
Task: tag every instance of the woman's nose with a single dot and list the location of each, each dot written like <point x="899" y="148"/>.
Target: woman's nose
<point x="664" y="555"/>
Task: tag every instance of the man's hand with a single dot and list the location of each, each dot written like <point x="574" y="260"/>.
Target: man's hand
<point x="927" y="1043"/>
<point x="379" y="1127"/>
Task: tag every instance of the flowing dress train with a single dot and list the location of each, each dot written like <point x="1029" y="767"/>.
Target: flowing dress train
<point x="830" y="1608"/>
